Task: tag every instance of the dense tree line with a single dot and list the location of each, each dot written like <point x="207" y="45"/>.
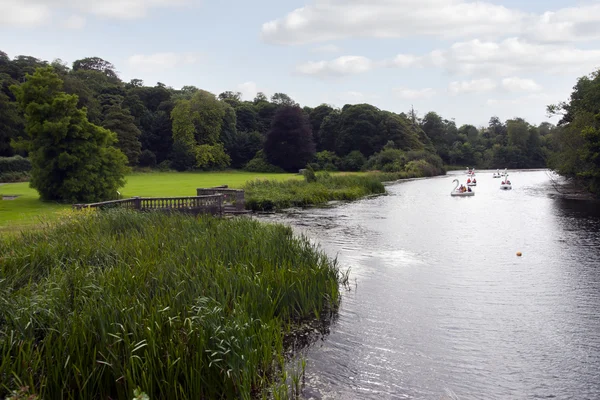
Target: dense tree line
<point x="576" y="141"/>
<point x="192" y="129"/>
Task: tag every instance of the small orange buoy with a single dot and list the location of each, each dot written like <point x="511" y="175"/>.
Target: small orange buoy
<point x="519" y="254"/>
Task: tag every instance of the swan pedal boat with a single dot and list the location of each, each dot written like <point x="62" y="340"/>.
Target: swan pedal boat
<point x="456" y="193"/>
<point x="506" y="187"/>
<point x="497" y="176"/>
<point x="462" y="194"/>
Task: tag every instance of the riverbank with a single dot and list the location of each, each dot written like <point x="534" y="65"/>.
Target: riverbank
<point x="265" y="195"/>
<point x="99" y="304"/>
<point x="26" y="210"/>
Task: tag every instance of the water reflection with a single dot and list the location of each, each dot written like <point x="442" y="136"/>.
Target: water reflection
<point x="444" y="309"/>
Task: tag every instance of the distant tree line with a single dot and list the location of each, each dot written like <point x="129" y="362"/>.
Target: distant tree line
<point x="192" y="129"/>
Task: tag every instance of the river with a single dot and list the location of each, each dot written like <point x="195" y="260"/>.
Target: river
<point x="440" y="306"/>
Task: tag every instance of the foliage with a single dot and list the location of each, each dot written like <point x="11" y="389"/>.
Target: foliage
<point x="576" y="144"/>
<point x="14" y="164"/>
<point x="147" y="159"/>
<point x="97" y="305"/>
<point x="289" y="144"/>
<point x="120" y="121"/>
<point x="353" y="161"/>
<point x="265" y="195"/>
<point x="72" y="159"/>
<point x="260" y="164"/>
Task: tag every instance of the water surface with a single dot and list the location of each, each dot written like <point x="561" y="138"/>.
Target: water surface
<point x="442" y="308"/>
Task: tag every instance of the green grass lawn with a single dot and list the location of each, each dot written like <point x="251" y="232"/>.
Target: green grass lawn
<point x="27" y="210"/>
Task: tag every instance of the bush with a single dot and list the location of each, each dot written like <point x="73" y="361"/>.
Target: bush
<point x="14" y="164"/>
<point x="9" y="177"/>
<point x="309" y="175"/>
<point x="164" y="166"/>
<point x="147" y="159"/>
<point x="354" y="161"/>
<point x="260" y="164"/>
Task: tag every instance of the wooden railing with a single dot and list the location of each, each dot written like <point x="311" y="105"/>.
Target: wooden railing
<point x="232" y="198"/>
<point x="212" y="204"/>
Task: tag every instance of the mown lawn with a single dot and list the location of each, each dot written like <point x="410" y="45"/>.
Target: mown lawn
<point x="27" y="210"/>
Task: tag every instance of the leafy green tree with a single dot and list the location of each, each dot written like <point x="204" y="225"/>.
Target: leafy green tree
<point x="197" y="125"/>
<point x="282" y="99"/>
<point x="95" y="64"/>
<point x="290" y="144"/>
<point x="246" y="117"/>
<point x="10" y="124"/>
<point x="316" y="116"/>
<point x="121" y="122"/>
<point x="72" y="159"/>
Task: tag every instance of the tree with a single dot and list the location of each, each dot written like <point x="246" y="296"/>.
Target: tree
<point x="260" y="96"/>
<point x="518" y="132"/>
<point x="282" y="99"/>
<point x="10" y="124"/>
<point x="290" y="144"/>
<point x="95" y="64"/>
<point x="577" y="140"/>
<point x="120" y="121"/>
<point x="197" y="125"/>
<point x="316" y="116"/>
<point x="72" y="159"/>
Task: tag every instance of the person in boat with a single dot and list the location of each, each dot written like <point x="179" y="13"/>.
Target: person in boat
<point x="474" y="180"/>
<point x="469" y="180"/>
<point x="469" y="190"/>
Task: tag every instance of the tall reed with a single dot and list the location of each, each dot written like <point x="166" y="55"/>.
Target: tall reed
<point x="266" y="195"/>
<point x="181" y="307"/>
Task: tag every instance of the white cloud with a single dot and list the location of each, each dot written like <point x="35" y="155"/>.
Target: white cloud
<point x="473" y="86"/>
<point x="345" y="65"/>
<point x="248" y="90"/>
<point x="515" y="84"/>
<point x="510" y="56"/>
<point x="29" y="13"/>
<point x="566" y="25"/>
<point x="20" y="13"/>
<point x="413" y="94"/>
<point x="337" y="19"/>
<point x="161" y="61"/>
<point x="528" y="100"/>
<point x="328" y="48"/>
<point x="74" y="22"/>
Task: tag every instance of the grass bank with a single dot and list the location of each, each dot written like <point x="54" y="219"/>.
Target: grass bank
<point x="28" y="210"/>
<point x="266" y="195"/>
<point x="182" y="308"/>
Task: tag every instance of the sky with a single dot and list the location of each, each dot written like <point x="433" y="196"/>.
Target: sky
<point x="466" y="60"/>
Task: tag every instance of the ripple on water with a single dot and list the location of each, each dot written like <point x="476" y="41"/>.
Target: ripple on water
<point x="443" y="309"/>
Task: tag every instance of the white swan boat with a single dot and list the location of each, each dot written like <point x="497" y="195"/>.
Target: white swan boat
<point x="506" y="184"/>
<point x="457" y="193"/>
<point x="497" y="174"/>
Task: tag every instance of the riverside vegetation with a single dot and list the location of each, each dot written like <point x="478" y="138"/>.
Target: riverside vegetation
<point x="101" y="304"/>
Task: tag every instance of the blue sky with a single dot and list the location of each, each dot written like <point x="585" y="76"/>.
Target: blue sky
<point x="464" y="59"/>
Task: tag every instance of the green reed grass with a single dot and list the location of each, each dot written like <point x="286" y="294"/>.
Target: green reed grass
<point x="266" y="195"/>
<point x="102" y="304"/>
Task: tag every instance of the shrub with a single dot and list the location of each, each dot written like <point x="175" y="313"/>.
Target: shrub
<point x="14" y="164"/>
<point x="353" y="161"/>
<point x="260" y="164"/>
<point x="9" y="177"/>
